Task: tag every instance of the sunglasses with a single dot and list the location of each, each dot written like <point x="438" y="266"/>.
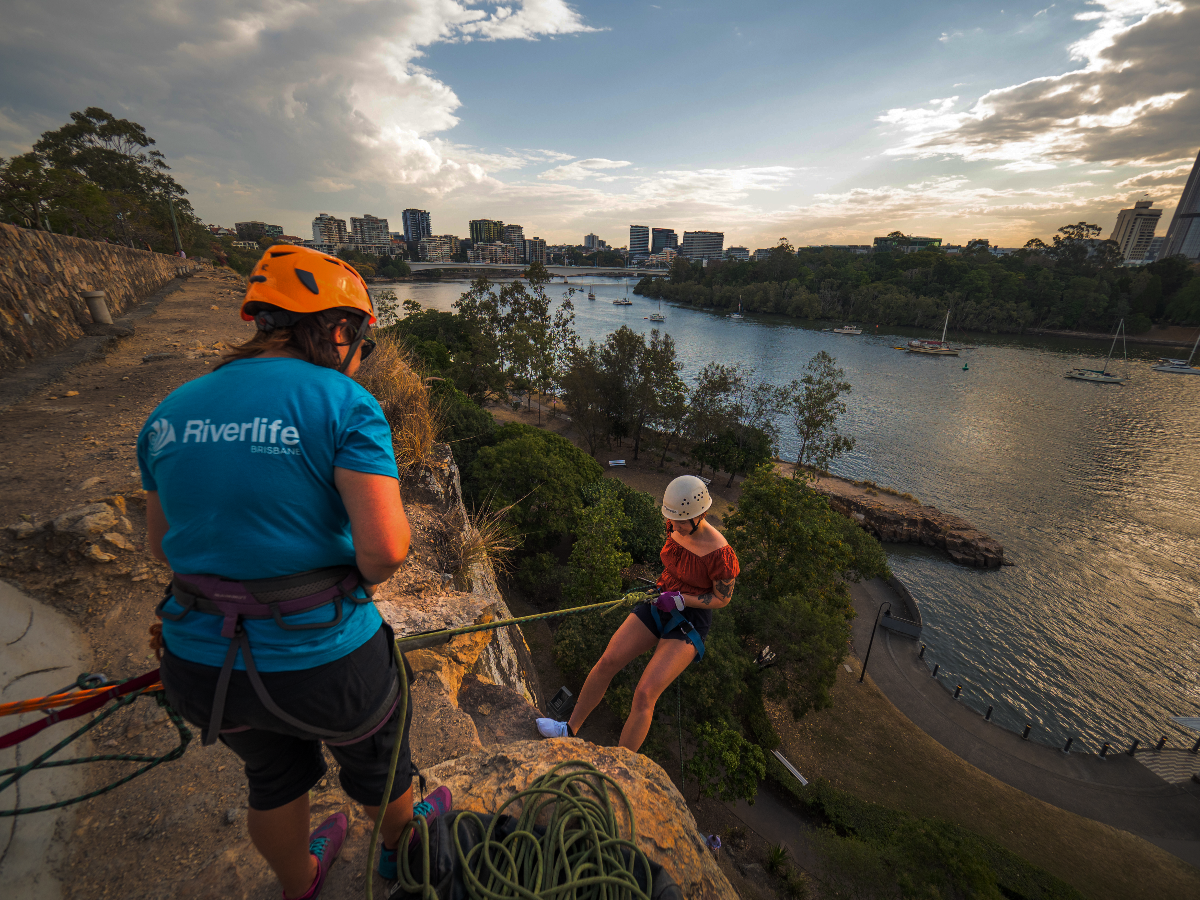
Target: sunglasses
<point x="368" y="345"/>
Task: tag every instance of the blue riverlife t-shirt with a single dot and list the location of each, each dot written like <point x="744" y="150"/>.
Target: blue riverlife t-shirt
<point x="242" y="460"/>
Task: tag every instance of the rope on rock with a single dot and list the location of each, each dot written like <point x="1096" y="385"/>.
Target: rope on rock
<point x="581" y="852"/>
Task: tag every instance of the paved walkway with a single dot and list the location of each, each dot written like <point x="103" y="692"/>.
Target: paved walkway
<point x="40" y="652"/>
<point x="1119" y="791"/>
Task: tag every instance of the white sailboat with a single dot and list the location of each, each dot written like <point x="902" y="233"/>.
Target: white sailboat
<point x="658" y="316"/>
<point x="1103" y="376"/>
<point x="848" y="329"/>
<point x="1180" y="366"/>
<point x="934" y="348"/>
<point x="626" y="301"/>
<point x="738" y="314"/>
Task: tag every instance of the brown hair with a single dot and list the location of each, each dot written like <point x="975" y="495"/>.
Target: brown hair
<point x="309" y="339"/>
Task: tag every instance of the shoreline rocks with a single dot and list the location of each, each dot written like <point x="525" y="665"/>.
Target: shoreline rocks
<point x="915" y="523"/>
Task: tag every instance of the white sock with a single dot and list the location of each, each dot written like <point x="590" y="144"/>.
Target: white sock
<point x="552" y="728"/>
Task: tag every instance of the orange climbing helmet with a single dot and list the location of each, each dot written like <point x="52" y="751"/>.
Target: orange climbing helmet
<point x="290" y="282"/>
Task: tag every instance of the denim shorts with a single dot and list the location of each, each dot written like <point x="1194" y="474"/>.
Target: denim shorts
<point x="283" y="762"/>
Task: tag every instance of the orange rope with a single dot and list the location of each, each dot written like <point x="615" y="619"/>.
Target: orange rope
<point x="23" y="706"/>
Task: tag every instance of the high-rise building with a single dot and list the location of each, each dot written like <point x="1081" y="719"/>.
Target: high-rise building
<point x="416" y="225"/>
<point x="740" y="253"/>
<point x="661" y="238"/>
<point x="370" y="234"/>
<point x="515" y="235"/>
<point x="252" y="231"/>
<point x="329" y="230"/>
<point x="1155" y="250"/>
<point x="1135" y="230"/>
<point x="487" y="231"/>
<point x="761" y="254"/>
<point x="591" y="242"/>
<point x="703" y="244"/>
<point x="639" y="241"/>
<point x="435" y="249"/>
<point x="1183" y="235"/>
<point x="535" y="250"/>
<point x="494" y="252"/>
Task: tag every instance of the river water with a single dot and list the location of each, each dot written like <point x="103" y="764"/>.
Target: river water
<point x="1093" y="489"/>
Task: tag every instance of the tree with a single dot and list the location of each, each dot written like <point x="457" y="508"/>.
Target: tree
<point x="541" y="475"/>
<point x="795" y="554"/>
<point x="815" y="400"/>
<point x="711" y="410"/>
<point x="596" y="561"/>
<point x="586" y="396"/>
<point x="725" y="764"/>
<point x="642" y="532"/>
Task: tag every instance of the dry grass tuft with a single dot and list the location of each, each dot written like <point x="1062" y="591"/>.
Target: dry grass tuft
<point x="390" y="376"/>
<point x="486" y="536"/>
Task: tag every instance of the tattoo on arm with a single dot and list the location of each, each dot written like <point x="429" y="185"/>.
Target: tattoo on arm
<point x="706" y="599"/>
<point x="724" y="589"/>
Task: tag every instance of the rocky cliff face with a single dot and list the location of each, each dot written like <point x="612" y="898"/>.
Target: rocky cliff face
<point x="915" y="523"/>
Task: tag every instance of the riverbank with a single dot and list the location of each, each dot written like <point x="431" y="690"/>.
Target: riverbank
<point x="1160" y="335"/>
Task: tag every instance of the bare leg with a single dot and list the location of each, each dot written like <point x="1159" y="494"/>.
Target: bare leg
<point x="667" y="664"/>
<point x="281" y="836"/>
<point x="631" y="641"/>
<point x="399" y="813"/>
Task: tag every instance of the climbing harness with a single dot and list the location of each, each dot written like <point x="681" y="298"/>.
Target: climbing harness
<point x="678" y="620"/>
<point x="270" y="598"/>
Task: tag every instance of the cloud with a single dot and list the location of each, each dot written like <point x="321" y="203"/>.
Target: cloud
<point x="582" y="169"/>
<point x="1135" y="98"/>
<point x="947" y="37"/>
<point x="286" y="98"/>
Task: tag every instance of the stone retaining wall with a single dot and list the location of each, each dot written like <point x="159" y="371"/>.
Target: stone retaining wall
<point x="42" y="276"/>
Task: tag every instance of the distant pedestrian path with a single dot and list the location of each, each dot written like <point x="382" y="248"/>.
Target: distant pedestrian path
<point x="1150" y="794"/>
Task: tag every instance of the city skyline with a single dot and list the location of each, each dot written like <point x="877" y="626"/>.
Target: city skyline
<point x="963" y="122"/>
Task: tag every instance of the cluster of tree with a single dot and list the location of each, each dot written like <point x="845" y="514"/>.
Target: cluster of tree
<point x="98" y="177"/>
<point x="1076" y="282"/>
<point x="630" y="387"/>
<point x="369" y="264"/>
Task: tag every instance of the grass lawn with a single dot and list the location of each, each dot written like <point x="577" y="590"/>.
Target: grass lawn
<point x="868" y="748"/>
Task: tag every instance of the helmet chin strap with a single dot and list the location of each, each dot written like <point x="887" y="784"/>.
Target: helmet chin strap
<point x="355" y="344"/>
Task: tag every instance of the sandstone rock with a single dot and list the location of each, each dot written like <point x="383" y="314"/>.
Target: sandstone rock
<point x="500" y="714"/>
<point x="89" y="483"/>
<point x="22" y="530"/>
<point x="95" y="554"/>
<point x="95" y="518"/>
<point x="666" y="830"/>
<point x="119" y="541"/>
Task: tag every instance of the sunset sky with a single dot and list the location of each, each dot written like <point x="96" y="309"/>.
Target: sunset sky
<point x="822" y="124"/>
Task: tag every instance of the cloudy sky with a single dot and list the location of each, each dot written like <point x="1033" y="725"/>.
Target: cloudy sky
<point x="822" y="123"/>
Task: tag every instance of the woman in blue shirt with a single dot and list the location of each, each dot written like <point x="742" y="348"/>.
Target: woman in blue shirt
<point x="272" y="492"/>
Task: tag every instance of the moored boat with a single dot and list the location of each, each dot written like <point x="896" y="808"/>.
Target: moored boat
<point x="1103" y="376"/>
<point x="934" y="348"/>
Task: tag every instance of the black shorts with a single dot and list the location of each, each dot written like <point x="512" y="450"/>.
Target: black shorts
<point x="701" y="620"/>
<point x="283" y="762"/>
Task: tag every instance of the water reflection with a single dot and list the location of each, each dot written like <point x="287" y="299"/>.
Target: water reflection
<point x="1095" y="632"/>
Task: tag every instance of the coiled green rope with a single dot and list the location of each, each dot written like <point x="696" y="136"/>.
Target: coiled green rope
<point x="580" y="854"/>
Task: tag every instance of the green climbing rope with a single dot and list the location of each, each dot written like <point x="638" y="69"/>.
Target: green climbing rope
<point x="43" y="761"/>
<point x="581" y="852"/>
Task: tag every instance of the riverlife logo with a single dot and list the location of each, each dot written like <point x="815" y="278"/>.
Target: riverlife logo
<point x="265" y="436"/>
<point x="162" y="433"/>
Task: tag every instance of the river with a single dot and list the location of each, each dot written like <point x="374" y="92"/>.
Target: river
<point x="1093" y="489"/>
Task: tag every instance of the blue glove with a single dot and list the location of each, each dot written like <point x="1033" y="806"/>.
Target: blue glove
<point x="670" y="601"/>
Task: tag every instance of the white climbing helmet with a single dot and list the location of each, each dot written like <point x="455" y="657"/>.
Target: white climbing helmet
<point x="686" y="498"/>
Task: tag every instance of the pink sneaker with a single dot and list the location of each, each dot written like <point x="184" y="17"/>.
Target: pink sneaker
<point x="325" y="843"/>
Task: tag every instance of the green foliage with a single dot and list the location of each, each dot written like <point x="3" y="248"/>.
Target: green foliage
<point x="596" y="561"/>
<point x="1035" y="287"/>
<point x="541" y="474"/>
<point x="465" y="425"/>
<point x="815" y="404"/>
<point x="795" y="553"/>
<point x="642" y="532"/>
<point x="872" y="851"/>
<point x="540" y="576"/>
<point x="778" y="858"/>
<point x="725" y="764"/>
